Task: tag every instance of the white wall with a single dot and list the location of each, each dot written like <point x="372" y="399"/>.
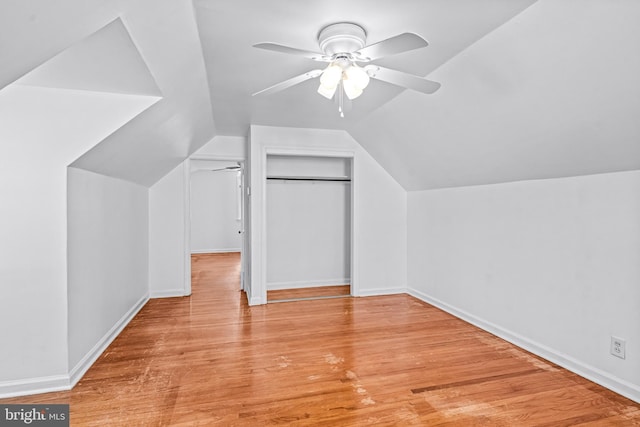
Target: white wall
<point x="42" y="131"/>
<point x="167" y="240"/>
<point x="214" y="212"/>
<point x="551" y="265"/>
<point x="222" y="147"/>
<point x="379" y="209"/>
<point x="107" y="261"/>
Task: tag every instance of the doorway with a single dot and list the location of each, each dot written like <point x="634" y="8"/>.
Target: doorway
<point x="216" y="209"/>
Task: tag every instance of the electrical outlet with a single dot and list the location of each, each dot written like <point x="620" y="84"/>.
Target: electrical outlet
<point x="618" y="347"/>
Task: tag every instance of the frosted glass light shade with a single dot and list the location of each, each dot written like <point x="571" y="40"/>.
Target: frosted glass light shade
<point x="350" y="89"/>
<point x="353" y="78"/>
<point x="358" y="76"/>
<point x="327" y="92"/>
<point x="331" y="76"/>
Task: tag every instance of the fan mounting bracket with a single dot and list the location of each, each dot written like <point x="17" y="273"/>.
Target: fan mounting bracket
<point x="341" y="38"/>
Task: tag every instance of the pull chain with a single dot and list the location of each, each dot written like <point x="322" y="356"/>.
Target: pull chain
<point x="341" y="100"/>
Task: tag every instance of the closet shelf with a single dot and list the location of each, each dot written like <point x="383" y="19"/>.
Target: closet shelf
<point x="310" y="178"/>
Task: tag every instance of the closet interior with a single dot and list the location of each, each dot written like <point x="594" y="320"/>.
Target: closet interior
<point x="308" y="227"/>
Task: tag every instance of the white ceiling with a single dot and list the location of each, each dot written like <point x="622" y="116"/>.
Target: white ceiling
<point x="236" y="69"/>
<point x="530" y="89"/>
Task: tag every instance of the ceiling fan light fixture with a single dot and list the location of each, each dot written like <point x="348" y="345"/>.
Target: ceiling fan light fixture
<point x="331" y="76"/>
<point x="341" y="37"/>
<point x="351" y="89"/>
<point x="343" y="46"/>
<point x="326" y="91"/>
<point x="357" y="76"/>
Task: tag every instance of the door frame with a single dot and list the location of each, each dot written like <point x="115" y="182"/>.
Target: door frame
<point x="258" y="237"/>
<point x="187" y="216"/>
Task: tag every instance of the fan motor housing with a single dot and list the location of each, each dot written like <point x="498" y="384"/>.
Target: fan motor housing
<point x="343" y="37"/>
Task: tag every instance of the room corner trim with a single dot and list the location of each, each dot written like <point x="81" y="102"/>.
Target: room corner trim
<point x="37" y="385"/>
<point x="167" y="293"/>
<point x="89" y="359"/>
<point x="605" y="379"/>
<point x="379" y="291"/>
<point x="256" y="301"/>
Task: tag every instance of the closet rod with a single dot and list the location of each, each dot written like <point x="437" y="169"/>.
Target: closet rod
<point x="309" y="178"/>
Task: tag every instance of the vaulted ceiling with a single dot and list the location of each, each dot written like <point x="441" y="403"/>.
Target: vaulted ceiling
<point x="228" y="31"/>
<point x="530" y="89"/>
<point x="144" y="56"/>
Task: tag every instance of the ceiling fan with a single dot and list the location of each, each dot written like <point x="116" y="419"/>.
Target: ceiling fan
<point x="343" y="47"/>
<point x="227" y="168"/>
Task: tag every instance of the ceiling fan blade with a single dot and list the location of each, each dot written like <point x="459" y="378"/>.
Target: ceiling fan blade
<point x="401" y="79"/>
<point x="228" y="168"/>
<point x="293" y="51"/>
<point x="401" y="43"/>
<point x="290" y="82"/>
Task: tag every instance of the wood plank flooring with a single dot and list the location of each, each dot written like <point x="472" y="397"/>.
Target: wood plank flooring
<point x="304" y="293"/>
<point x="211" y="360"/>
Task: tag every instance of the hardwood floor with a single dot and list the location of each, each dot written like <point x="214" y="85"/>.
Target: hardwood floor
<point x="211" y="360"/>
<point x="304" y="293"/>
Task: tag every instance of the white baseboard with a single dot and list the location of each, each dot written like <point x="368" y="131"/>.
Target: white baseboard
<point x="89" y="359"/>
<point x="214" y="251"/>
<point x="275" y="286"/>
<point x="167" y="293"/>
<point x="380" y="291"/>
<point x="256" y="301"/>
<point x="38" y="385"/>
<point x="605" y="379"/>
<point x="53" y="383"/>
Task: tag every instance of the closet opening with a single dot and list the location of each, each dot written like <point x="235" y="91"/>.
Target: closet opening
<point x="308" y="227"/>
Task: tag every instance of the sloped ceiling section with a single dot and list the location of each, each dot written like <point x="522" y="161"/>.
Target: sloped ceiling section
<point x="552" y="93"/>
<point x="83" y="84"/>
<point x="142" y="50"/>
<point x="106" y="61"/>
